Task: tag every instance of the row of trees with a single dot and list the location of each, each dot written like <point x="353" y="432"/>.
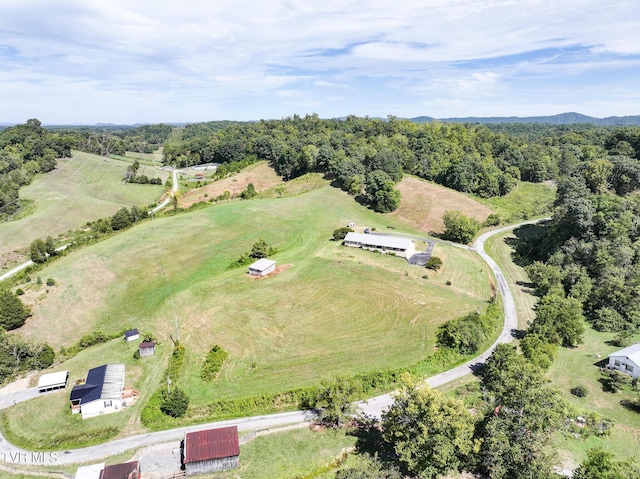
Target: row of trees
<point x="116" y="140"/>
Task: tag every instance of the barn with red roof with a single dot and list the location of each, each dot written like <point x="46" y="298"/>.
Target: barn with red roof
<point x="211" y="450"/>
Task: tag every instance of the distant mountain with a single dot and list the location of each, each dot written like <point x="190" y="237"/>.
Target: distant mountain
<point x="561" y="119"/>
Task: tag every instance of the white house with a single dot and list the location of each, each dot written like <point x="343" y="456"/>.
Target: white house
<point x="51" y="381"/>
<point x="101" y="393"/>
<point x="386" y="244"/>
<point x="627" y="360"/>
<point x="262" y="267"/>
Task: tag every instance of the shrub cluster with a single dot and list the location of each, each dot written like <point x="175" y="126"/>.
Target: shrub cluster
<point x="468" y="333"/>
<point x="212" y="364"/>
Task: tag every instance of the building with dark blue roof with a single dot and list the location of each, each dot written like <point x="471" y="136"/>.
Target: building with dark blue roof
<point x="101" y="392"/>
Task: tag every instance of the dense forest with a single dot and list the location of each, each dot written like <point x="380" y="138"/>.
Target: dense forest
<point x="590" y="251"/>
<point x="105" y="141"/>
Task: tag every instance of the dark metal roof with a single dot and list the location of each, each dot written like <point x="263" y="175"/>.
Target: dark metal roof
<point x="126" y="470"/>
<point x="92" y="388"/>
<point x="131" y="332"/>
<point x="211" y="444"/>
<point x="147" y="344"/>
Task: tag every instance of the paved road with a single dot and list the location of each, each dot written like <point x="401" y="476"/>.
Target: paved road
<point x="372" y="407"/>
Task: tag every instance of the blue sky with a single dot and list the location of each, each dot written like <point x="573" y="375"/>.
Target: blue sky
<point x="133" y="61"/>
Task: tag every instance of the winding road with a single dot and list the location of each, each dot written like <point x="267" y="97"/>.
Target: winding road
<point x="373" y="407"/>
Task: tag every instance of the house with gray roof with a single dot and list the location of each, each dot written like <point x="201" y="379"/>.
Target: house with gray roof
<point x="627" y="360"/>
<point x="101" y="392"/>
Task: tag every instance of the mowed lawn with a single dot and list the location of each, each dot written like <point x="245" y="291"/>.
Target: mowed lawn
<point x="82" y="188"/>
<point x="334" y="310"/>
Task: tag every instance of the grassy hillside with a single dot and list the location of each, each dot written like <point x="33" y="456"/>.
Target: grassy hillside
<point x="335" y="309"/>
<point x="423" y="204"/>
<point x="82" y="188"/>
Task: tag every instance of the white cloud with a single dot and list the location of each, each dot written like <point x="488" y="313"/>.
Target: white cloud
<point x="204" y="58"/>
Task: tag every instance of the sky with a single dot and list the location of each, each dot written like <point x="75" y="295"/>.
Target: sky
<point x="151" y="61"/>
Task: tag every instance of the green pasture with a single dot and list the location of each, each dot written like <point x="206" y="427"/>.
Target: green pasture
<point x="525" y="201"/>
<point x="334" y="310"/>
<point x="82" y="188"/>
<point x="577" y="367"/>
<point x="46" y="422"/>
<point x="499" y="249"/>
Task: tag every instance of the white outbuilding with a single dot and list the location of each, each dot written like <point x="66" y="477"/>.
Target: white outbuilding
<point x="51" y="381"/>
<point x="131" y="335"/>
<point x="627" y="360"/>
<point x="262" y="267"/>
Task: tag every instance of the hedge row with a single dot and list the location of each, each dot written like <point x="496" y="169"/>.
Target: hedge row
<point x="88" y="340"/>
<point x="152" y="415"/>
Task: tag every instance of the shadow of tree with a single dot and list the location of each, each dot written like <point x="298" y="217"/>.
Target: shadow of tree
<point x="633" y="406"/>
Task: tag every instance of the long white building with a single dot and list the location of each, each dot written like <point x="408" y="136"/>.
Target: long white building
<point x="385" y="244"/>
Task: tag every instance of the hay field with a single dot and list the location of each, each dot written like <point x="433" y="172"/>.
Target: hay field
<point x="82" y="188"/>
<point x="335" y="310"/>
<point x="260" y="174"/>
<point x="423" y="204"/>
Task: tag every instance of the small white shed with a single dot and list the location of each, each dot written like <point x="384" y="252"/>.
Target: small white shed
<point x="262" y="267"/>
<point x="627" y="360"/>
<point x="131" y="335"/>
<point x="51" y="381"/>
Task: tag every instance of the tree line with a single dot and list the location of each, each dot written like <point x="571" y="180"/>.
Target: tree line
<point x="367" y="157"/>
<point x="25" y="150"/>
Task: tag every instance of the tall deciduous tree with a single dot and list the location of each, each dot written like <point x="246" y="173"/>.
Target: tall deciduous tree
<point x="559" y="320"/>
<point x="335" y="400"/>
<point x="13" y="313"/>
<point x="432" y="434"/>
<point x="458" y="227"/>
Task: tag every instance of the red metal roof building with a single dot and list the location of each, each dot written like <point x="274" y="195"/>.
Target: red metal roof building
<point x="126" y="470"/>
<point x="211" y="450"/>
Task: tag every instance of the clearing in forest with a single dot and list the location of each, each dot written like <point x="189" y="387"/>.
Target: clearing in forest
<point x="423" y="204"/>
<point x="260" y="174"/>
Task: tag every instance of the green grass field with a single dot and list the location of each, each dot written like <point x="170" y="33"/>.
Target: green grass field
<point x="577" y="367"/>
<point x="288" y="455"/>
<point x="335" y="309"/>
<point x="498" y="248"/>
<point x="82" y="188"/>
<point x="525" y="201"/>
